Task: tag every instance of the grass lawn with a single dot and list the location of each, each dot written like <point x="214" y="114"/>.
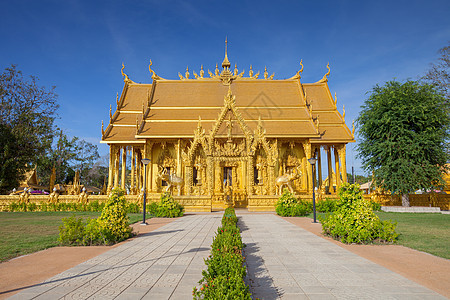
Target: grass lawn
<point x="424" y="232"/>
<point x="27" y="232"/>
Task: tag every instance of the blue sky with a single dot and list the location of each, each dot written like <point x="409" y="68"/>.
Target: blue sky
<point x="79" y="46"/>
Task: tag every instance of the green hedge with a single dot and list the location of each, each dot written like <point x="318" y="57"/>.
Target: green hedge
<point x="93" y="206"/>
<point x="167" y="207"/>
<point x="111" y="227"/>
<point x="224" y="277"/>
<point x="354" y="220"/>
<point x="289" y="206"/>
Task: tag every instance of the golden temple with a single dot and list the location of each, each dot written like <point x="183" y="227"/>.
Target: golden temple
<point x="223" y="138"/>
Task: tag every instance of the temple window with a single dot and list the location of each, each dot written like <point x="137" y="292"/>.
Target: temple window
<point x="255" y="176"/>
<point x="194" y="176"/>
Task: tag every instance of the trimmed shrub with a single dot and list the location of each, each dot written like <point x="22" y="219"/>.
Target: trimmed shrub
<point x="111" y="227"/>
<point x="326" y="206"/>
<point x="354" y="220"/>
<point x="167" y="207"/>
<point x="114" y="219"/>
<point x="289" y="206"/>
<point x="224" y="277"/>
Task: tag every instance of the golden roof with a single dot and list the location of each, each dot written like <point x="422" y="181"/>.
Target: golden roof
<point x="172" y="108"/>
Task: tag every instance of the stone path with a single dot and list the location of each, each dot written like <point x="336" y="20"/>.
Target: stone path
<point x="285" y="261"/>
<point x="165" y="263"/>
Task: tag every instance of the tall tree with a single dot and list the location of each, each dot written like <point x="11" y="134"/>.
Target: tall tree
<point x="403" y="130"/>
<point x="29" y="111"/>
<point x="62" y="155"/>
<point x="439" y="74"/>
<point x="11" y="166"/>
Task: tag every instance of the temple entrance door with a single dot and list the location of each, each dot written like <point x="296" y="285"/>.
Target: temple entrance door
<point x="228" y="176"/>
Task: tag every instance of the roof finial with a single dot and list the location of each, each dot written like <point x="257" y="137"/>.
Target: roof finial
<point x="226" y="63"/>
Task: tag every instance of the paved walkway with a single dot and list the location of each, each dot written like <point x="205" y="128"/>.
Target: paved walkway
<point x="284" y="261"/>
<point x="165" y="263"/>
<point x="288" y="262"/>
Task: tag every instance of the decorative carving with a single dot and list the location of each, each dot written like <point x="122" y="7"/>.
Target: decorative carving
<point x="229" y="149"/>
<point x="298" y="76"/>
<point x="83" y="197"/>
<point x="325" y="77"/>
<point x="171" y="179"/>
<point x="154" y="76"/>
<point x="287" y="179"/>
<point x="125" y="76"/>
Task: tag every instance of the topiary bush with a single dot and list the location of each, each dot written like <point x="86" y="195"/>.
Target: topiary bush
<point x="167" y="207"/>
<point x="111" y="227"/>
<point x="289" y="206"/>
<point x="354" y="220"/>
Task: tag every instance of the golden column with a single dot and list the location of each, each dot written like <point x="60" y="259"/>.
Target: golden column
<point x="307" y="149"/>
<point x="116" y="165"/>
<point x="148" y="154"/>
<point x="330" y="171"/>
<point x="111" y="168"/>
<point x="138" y="171"/>
<point x="319" y="168"/>
<point x="124" y="167"/>
<point x="338" y="172"/>
<point x="342" y="158"/>
<point x="133" y="163"/>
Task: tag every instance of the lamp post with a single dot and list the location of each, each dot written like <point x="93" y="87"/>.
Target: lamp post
<point x="145" y="162"/>
<point x="312" y="161"/>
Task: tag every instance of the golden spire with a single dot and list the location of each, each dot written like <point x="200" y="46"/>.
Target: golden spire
<point x="353" y="128"/>
<point x="235" y="70"/>
<point x="250" y="73"/>
<point x="265" y="72"/>
<point x="226" y="63"/>
<point x="202" y="73"/>
<point x="187" y="72"/>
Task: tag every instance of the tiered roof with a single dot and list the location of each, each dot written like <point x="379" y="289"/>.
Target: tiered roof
<point x="172" y="108"/>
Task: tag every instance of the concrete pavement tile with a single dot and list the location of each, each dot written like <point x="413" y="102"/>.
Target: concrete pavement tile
<point x="326" y="296"/>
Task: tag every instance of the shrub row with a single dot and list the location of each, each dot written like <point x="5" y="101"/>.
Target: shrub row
<point x="354" y="220"/>
<point x="111" y="227"/>
<point x="167" y="207"/>
<point x="224" y="277"/>
<point x="93" y="206"/>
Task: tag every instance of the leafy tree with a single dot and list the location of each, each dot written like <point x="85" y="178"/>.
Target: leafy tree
<point x="61" y="156"/>
<point x="68" y="155"/>
<point x="10" y="164"/>
<point x="359" y="179"/>
<point x="439" y="74"/>
<point x="87" y="155"/>
<point x="28" y="110"/>
<point x="403" y="130"/>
